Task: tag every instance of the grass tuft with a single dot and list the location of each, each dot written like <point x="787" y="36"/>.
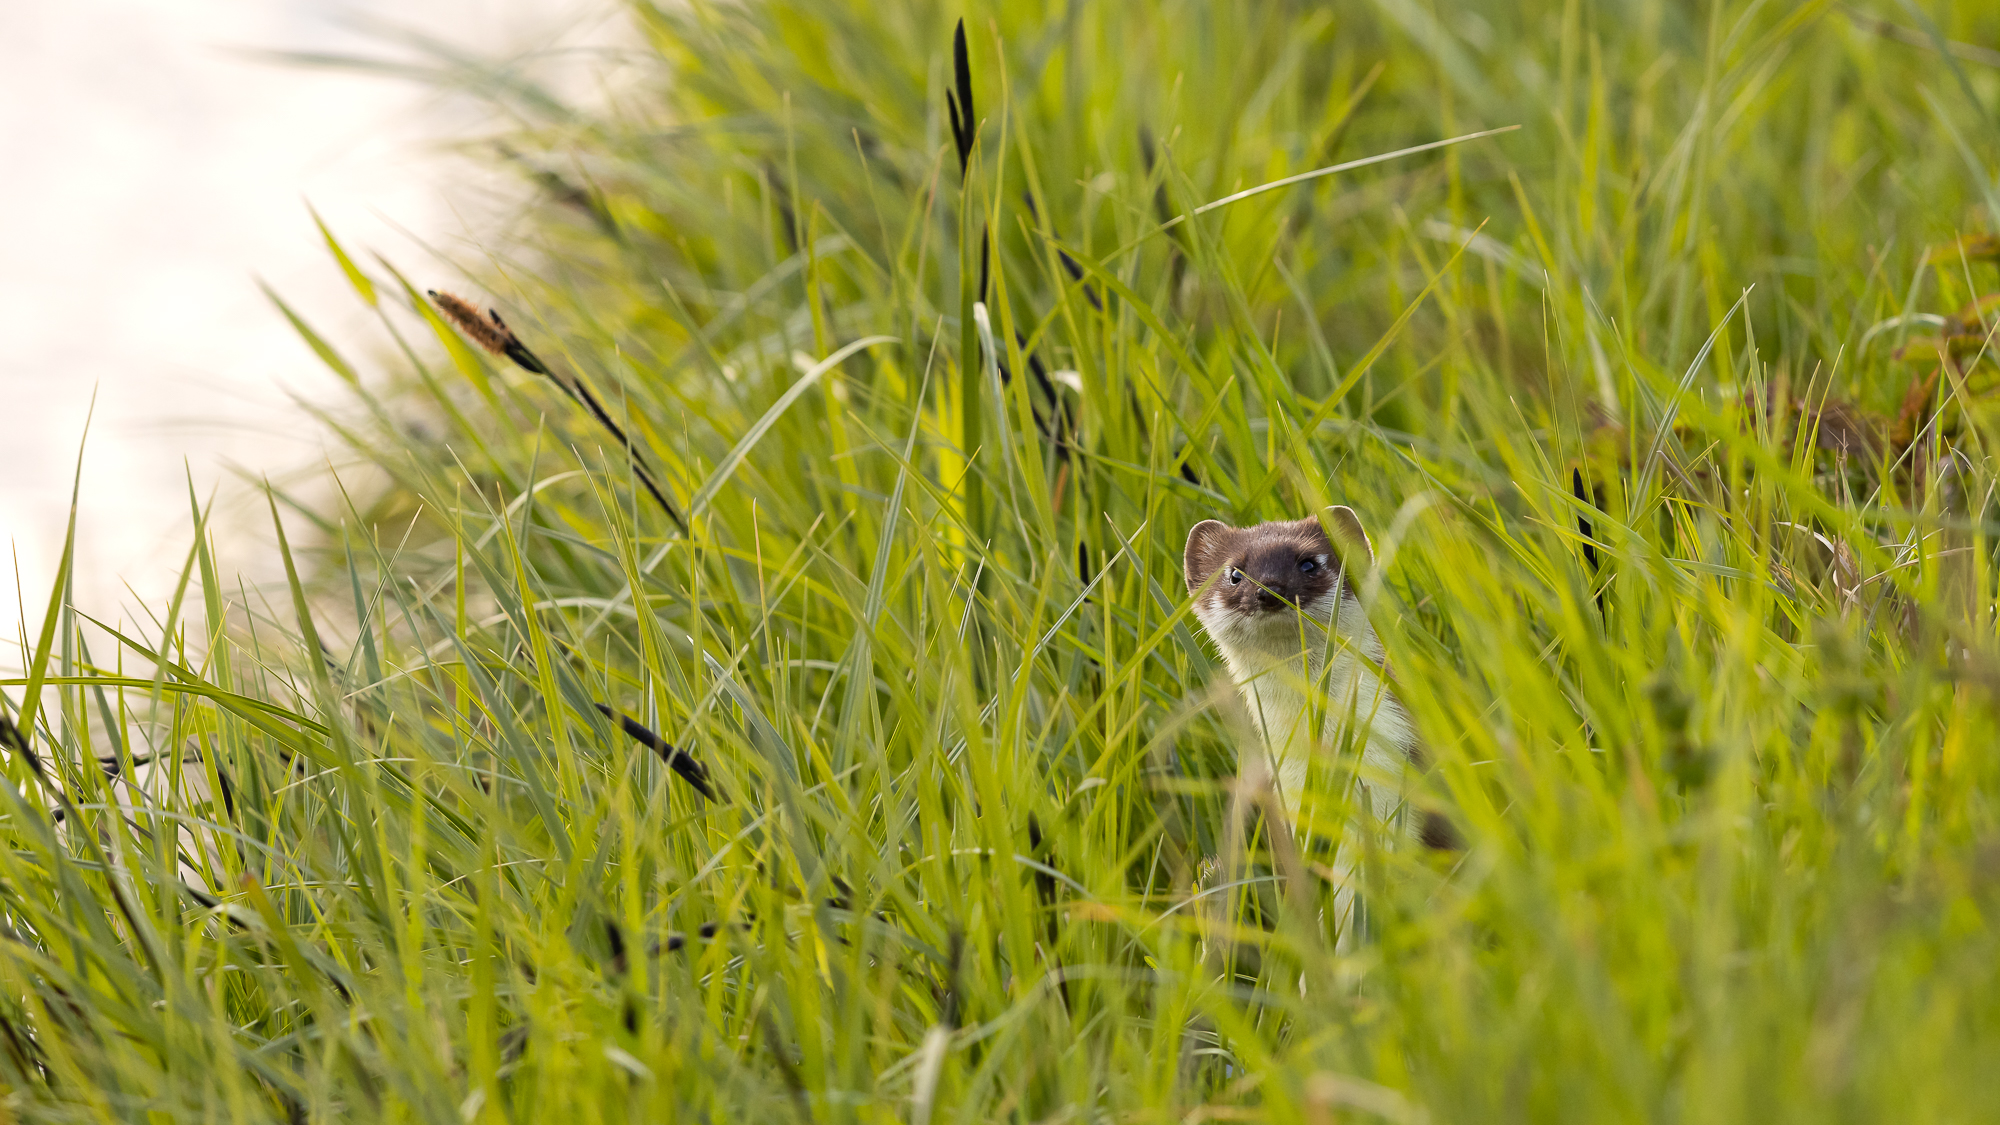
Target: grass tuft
<point x="873" y="770"/>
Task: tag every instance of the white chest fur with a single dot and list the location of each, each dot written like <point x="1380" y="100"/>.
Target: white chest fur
<point x="1310" y="696"/>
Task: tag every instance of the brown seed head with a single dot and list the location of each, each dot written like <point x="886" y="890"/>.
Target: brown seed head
<point x="491" y="335"/>
<point x="1969" y="248"/>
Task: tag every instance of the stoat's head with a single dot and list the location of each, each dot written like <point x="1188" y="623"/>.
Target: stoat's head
<point x="1257" y="587"/>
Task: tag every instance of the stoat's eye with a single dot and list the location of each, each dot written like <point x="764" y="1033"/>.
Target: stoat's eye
<point x="1308" y="564"/>
<point x="1235" y="576"/>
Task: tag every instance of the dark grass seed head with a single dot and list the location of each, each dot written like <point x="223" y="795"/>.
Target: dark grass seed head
<point x="964" y="126"/>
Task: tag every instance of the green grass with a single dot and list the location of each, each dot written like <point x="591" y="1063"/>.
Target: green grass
<point x="1729" y="792"/>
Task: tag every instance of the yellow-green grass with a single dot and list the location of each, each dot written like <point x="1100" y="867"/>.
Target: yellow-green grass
<point x="1725" y="768"/>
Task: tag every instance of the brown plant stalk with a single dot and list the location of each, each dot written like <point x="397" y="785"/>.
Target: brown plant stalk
<point x="492" y="333"/>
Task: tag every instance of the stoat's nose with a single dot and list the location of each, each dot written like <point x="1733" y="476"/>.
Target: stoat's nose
<point x="1268" y="600"/>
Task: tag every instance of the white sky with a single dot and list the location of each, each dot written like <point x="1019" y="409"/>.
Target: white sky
<point x="149" y="177"/>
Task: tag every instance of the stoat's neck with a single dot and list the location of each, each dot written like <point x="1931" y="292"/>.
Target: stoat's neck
<point x="1303" y="691"/>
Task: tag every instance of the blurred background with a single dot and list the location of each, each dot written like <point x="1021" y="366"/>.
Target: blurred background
<point x="160" y="160"/>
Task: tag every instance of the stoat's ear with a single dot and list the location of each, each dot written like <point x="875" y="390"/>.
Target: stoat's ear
<point x="1204" y="552"/>
<point x="1350" y="540"/>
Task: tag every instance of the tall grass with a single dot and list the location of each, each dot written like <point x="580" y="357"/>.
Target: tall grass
<point x="1676" y="466"/>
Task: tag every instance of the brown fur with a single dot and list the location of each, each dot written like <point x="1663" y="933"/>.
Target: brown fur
<point x="1261" y="565"/>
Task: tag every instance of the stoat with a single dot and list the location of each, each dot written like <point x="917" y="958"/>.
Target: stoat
<point x="1279" y="600"/>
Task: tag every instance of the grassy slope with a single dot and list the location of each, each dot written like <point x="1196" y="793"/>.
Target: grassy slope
<point x="1731" y="834"/>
